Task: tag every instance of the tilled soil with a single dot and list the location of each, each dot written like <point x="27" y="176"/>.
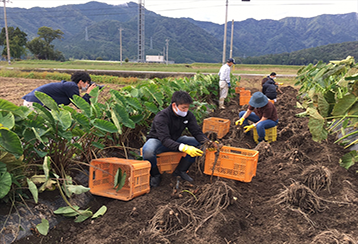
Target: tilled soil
<point x="300" y="194"/>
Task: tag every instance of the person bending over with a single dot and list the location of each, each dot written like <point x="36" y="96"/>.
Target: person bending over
<point x="62" y="91"/>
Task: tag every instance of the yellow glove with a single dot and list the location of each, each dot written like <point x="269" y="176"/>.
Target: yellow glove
<point x="192" y="151"/>
<point x="248" y="128"/>
<point x="240" y="121"/>
<point x="280" y="84"/>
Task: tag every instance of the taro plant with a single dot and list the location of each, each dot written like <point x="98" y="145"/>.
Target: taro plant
<point x="330" y="95"/>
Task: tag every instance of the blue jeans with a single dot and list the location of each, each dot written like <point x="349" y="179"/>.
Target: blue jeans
<point x="154" y="146"/>
<point x="260" y="127"/>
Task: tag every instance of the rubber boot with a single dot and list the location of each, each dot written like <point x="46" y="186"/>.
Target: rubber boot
<point x="221" y="103"/>
<point x="181" y="170"/>
<point x="155" y="177"/>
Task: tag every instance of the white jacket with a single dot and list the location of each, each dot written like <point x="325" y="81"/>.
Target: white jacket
<point x="224" y="73"/>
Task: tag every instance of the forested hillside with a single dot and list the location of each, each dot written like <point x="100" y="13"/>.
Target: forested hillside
<point x="324" y="53"/>
<point x="91" y="31"/>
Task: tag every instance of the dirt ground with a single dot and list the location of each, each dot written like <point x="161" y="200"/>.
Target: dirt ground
<point x="300" y="194"/>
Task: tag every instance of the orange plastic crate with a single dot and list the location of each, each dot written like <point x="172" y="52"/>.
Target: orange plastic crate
<point x="238" y="89"/>
<point x="103" y="170"/>
<point x="233" y="163"/>
<point x="244" y="99"/>
<point x="168" y="161"/>
<point x="220" y="126"/>
<point x="245" y="93"/>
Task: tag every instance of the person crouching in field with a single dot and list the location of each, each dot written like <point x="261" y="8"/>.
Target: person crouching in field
<point x="165" y="135"/>
<point x="261" y="112"/>
<point x="62" y="91"/>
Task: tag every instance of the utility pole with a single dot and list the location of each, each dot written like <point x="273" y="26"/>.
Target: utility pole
<point x="167" y="46"/>
<point x="163" y="54"/>
<point x="141" y="38"/>
<point x="7" y="34"/>
<point x="232" y="37"/>
<point x="120" y="45"/>
<point x="225" y="31"/>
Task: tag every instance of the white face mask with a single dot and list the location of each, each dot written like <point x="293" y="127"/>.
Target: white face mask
<point x="85" y="88"/>
<point x="179" y="112"/>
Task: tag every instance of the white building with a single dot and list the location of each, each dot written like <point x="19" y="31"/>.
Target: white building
<point x="154" y="59"/>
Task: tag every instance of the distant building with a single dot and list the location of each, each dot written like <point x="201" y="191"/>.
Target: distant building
<point x="154" y="58"/>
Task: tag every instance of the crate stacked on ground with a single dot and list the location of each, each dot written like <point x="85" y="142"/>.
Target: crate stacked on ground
<point x="270" y="134"/>
<point x="238" y="89"/>
<point x="103" y="171"/>
<point x="232" y="163"/>
<point x="218" y="125"/>
<point x="245" y="96"/>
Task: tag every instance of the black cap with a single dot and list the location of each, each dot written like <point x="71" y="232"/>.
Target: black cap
<point x="231" y="60"/>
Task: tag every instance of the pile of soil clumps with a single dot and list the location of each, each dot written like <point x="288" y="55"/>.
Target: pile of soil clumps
<point x="300" y="194"/>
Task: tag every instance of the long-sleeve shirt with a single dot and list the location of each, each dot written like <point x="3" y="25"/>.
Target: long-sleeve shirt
<point x="224" y="73"/>
<point x="168" y="127"/>
<point x="61" y="92"/>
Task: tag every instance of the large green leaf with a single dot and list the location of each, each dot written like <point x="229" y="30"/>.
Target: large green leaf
<point x="5" y="180"/>
<point x="134" y="102"/>
<point x="7" y="106"/>
<point x="323" y="106"/>
<point x="124" y="116"/>
<point x="47" y="100"/>
<point x="316" y="125"/>
<point x="82" y="104"/>
<point x="137" y="118"/>
<point x="7" y="119"/>
<point x="116" y="120"/>
<point x="63" y="117"/>
<point x="85" y="214"/>
<point x="152" y="91"/>
<point x="344" y="104"/>
<point x="81" y="119"/>
<point x="104" y="125"/>
<point x="10" y="142"/>
<point x="151" y="107"/>
<point x="94" y="95"/>
<point x="117" y="96"/>
<point x="44" y="113"/>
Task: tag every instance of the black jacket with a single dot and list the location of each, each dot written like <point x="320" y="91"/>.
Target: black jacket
<point x="168" y="127"/>
<point x="269" y="89"/>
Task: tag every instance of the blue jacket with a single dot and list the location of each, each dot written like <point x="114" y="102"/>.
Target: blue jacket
<point x="61" y="92"/>
<point x="269" y="89"/>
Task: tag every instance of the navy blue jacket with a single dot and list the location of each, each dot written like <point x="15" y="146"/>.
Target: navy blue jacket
<point x="168" y="127"/>
<point x="269" y="89"/>
<point x="61" y="92"/>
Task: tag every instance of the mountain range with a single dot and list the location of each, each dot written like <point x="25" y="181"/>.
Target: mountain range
<point x="91" y="31"/>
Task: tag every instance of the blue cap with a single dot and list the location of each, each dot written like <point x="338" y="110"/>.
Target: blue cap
<point x="231" y="60"/>
<point x="258" y="100"/>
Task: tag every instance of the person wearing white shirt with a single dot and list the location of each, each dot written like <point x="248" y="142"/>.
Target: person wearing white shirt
<point x="224" y="83"/>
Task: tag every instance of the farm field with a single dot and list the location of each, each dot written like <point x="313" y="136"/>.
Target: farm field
<point x="195" y="67"/>
<point x="264" y="210"/>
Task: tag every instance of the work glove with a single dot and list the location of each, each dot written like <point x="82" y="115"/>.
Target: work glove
<point x="192" y="151"/>
<point x="240" y="121"/>
<point x="213" y="145"/>
<point x="229" y="84"/>
<point x="280" y="84"/>
<point x="248" y="128"/>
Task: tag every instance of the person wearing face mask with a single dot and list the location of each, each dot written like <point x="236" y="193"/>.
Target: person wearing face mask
<point x="165" y="135"/>
<point x="62" y="91"/>
<point x="270" y="87"/>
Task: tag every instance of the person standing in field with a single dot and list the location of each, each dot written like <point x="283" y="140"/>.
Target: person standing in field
<point x="165" y="135"/>
<point x="224" y="82"/>
<point x="261" y="112"/>
<point x="63" y="91"/>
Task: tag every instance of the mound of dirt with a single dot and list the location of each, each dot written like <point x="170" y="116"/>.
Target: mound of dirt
<point x="277" y="206"/>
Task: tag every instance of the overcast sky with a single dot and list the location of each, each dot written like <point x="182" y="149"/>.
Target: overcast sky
<point x="214" y="10"/>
